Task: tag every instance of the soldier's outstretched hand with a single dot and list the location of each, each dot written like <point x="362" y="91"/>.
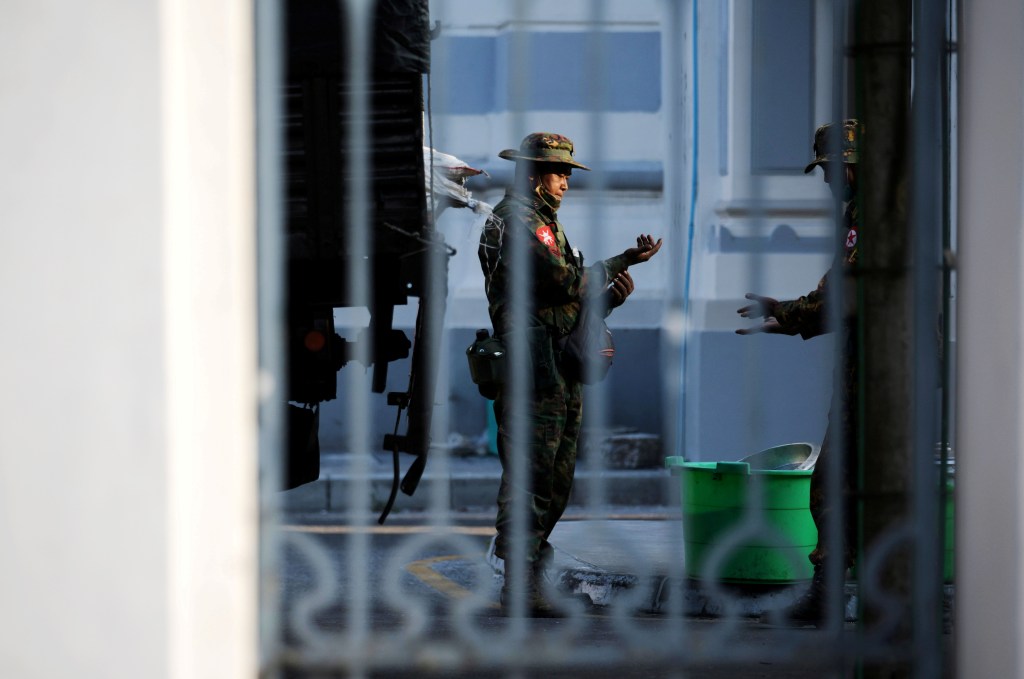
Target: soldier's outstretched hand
<point x="644" y="250"/>
<point x="763" y="307"/>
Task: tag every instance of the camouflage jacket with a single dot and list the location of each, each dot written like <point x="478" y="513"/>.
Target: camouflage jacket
<point x="808" y="316"/>
<point x="559" y="281"/>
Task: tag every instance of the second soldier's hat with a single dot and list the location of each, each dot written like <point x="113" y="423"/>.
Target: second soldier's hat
<point x="825" y="140"/>
<point x="544" y="147"/>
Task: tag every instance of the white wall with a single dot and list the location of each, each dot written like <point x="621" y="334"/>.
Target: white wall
<point x="990" y="472"/>
<point x="127" y="454"/>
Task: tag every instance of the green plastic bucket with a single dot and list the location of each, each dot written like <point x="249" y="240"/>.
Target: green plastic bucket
<point x="770" y="546"/>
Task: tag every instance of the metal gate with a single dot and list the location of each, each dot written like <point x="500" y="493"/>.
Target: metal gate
<point x="362" y="236"/>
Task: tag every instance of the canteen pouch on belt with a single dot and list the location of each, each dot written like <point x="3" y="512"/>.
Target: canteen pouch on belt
<point x="487" y="360"/>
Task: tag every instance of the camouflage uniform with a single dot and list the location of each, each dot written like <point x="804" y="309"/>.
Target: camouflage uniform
<point x="558" y="284"/>
<point x="808" y="317"/>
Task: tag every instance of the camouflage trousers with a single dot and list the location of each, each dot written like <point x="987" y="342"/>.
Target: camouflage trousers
<point x="842" y="424"/>
<point x="552" y="429"/>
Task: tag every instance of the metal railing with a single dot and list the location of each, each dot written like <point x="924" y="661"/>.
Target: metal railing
<point x="343" y="596"/>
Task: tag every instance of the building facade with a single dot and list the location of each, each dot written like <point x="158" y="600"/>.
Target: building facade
<point x="697" y="123"/>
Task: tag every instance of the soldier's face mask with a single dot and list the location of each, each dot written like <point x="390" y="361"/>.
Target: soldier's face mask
<point x="839" y="178"/>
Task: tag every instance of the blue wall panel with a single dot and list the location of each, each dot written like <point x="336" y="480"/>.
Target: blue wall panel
<point x="782" y="87"/>
<point x="474" y="75"/>
<point x="463" y="71"/>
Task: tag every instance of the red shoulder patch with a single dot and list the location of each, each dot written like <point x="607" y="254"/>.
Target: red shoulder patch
<point x="547" y="237"/>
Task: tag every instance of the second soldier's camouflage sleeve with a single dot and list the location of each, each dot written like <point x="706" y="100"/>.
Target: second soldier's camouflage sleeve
<point x="805" y="316"/>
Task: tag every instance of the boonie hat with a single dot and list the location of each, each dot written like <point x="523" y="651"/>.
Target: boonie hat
<point x="824" y="138"/>
<point x="544" y="147"/>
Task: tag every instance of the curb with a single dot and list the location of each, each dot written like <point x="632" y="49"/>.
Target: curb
<point x="474" y="490"/>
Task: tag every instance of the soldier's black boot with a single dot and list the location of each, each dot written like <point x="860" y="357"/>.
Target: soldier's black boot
<point x="809" y="609"/>
<point x="537" y="605"/>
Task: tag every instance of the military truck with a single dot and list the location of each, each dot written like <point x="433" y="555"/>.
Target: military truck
<point x="404" y="257"/>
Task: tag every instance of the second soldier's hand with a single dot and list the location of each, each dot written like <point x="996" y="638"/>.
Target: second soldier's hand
<point x="763" y="307"/>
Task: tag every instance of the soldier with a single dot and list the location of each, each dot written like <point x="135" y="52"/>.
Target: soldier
<point x="558" y="284"/>
<point x="808" y="317"/>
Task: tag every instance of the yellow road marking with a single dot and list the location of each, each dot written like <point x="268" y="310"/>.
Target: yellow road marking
<point x="423" y="570"/>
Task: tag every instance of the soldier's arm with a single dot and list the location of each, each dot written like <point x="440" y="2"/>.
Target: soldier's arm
<point x="807" y="315"/>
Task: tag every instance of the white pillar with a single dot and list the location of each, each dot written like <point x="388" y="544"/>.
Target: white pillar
<point x="990" y="442"/>
<point x="127" y="297"/>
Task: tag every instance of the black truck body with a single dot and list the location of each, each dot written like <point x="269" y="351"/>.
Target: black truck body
<point x="405" y="256"/>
